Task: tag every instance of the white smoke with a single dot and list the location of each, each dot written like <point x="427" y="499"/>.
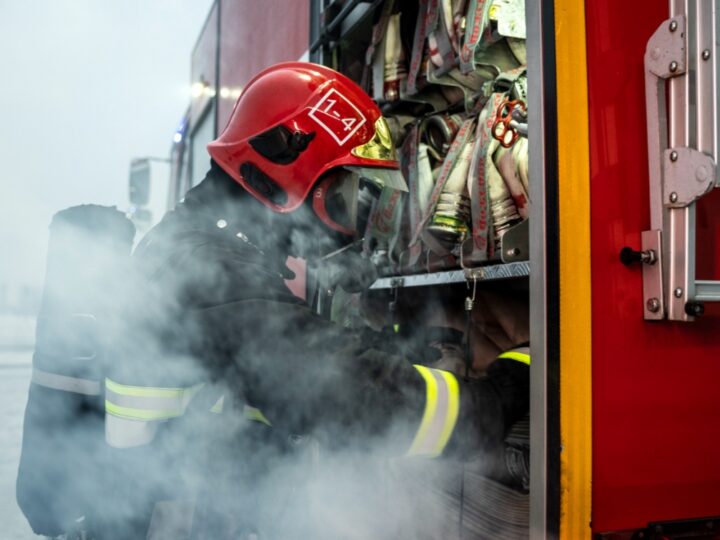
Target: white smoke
<point x="79" y="113"/>
<point x="241" y="477"/>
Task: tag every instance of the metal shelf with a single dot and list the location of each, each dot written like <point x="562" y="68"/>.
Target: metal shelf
<point x="481" y="273"/>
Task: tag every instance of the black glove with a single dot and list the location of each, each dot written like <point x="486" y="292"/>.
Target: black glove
<point x="489" y="407"/>
<point x="517" y="456"/>
<point x="512" y="382"/>
<point x="414" y="347"/>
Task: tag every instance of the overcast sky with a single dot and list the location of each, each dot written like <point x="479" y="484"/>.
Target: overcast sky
<point x="85" y="85"/>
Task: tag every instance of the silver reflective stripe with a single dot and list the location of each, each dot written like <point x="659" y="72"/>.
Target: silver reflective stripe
<point x="126" y="433"/>
<point x="63" y="382"/>
<point x="442" y="405"/>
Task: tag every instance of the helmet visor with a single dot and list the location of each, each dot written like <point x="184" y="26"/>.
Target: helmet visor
<point x="340" y="203"/>
<point x="345" y="200"/>
<point x="380" y="147"/>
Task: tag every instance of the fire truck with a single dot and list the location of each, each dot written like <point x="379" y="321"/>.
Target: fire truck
<point x="613" y="252"/>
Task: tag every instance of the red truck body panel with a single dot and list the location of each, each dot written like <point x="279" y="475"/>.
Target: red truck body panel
<point x="656" y="392"/>
<point x="203" y="66"/>
<point x="255" y="35"/>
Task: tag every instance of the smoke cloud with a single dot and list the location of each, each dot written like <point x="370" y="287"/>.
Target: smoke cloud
<point x="218" y="474"/>
<point x="331" y="464"/>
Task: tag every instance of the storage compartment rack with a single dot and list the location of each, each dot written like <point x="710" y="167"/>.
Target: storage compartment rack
<point x="458" y="213"/>
<point x="482" y="273"/>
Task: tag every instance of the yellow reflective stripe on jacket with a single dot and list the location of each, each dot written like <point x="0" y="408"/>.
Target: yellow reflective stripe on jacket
<point x="442" y="403"/>
<point x="146" y="402"/>
<point x="141" y="414"/>
<point x="256" y="415"/>
<point x="219" y="406"/>
<point x="521" y="354"/>
<point x="250" y="413"/>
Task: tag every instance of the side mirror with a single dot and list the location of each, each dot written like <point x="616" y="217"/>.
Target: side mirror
<point x="139" y="182"/>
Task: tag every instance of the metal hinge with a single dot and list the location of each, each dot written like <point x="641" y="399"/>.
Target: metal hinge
<point x="682" y="145"/>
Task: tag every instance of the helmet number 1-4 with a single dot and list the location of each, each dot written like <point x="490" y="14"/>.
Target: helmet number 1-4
<point x="337" y="115"/>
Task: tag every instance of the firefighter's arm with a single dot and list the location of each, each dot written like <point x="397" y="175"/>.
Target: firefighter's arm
<point x="463" y="416"/>
<point x="308" y="375"/>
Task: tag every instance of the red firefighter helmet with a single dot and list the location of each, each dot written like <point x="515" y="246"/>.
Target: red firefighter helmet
<point x="293" y="123"/>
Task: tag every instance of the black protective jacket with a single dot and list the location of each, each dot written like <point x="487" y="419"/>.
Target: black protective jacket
<point x="219" y="303"/>
<point x="211" y="305"/>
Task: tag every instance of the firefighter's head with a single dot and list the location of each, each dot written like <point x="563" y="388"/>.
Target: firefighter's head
<point x="302" y="134"/>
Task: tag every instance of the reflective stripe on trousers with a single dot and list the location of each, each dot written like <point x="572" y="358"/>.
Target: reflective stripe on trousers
<point x="521" y="354"/>
<point x="132" y="413"/>
<point x="76" y="385"/>
<point x="442" y="403"/>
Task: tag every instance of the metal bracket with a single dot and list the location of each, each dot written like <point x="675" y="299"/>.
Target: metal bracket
<point x="688" y="174"/>
<point x="665" y="52"/>
<point x="682" y="123"/>
<point x="514" y="243"/>
<point x="654" y="305"/>
<point x="397" y="282"/>
<point x="665" y="57"/>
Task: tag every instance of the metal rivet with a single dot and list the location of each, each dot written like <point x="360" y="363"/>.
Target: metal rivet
<point x="673" y="155"/>
<point x="706" y="54"/>
<point x="673" y="26"/>
<point x="678" y="292"/>
<point x="673" y="197"/>
<point x="221" y="224"/>
<point x="653" y="305"/>
<point x="701" y="173"/>
<point x="513" y="252"/>
<point x="673" y="67"/>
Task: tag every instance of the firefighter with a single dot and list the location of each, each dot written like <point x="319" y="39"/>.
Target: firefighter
<point x="213" y="325"/>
